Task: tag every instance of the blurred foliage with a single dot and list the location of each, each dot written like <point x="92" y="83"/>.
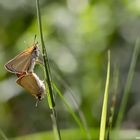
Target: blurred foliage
<point x="71" y="134"/>
<point x="77" y="34"/>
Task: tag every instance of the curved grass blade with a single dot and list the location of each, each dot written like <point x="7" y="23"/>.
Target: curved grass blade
<point x="71" y="112"/>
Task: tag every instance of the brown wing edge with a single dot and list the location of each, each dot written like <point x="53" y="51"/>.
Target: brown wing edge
<point x="10" y="69"/>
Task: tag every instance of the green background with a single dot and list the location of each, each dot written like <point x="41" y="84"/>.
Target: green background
<point x="77" y="35"/>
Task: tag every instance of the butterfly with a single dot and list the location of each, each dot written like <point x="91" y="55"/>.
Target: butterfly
<point x="25" y="61"/>
<point x="32" y="84"/>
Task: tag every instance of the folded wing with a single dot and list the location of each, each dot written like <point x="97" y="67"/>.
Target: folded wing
<point x="21" y="62"/>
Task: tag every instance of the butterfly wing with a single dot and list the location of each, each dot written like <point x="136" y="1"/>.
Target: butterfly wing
<point x="29" y="83"/>
<point x="21" y="62"/>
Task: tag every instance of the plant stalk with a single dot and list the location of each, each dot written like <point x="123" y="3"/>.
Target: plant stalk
<point x="48" y="76"/>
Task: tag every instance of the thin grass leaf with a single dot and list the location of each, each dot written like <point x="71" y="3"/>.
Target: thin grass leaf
<point x="105" y="102"/>
<point x="113" y="102"/>
<point x="76" y="118"/>
<point x="128" y="85"/>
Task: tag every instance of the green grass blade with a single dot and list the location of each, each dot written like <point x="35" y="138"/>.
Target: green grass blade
<point x="105" y="102"/>
<point x="128" y="85"/>
<point x="76" y="118"/>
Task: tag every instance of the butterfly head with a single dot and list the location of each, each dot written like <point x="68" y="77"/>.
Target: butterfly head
<point x="36" y="51"/>
<point x="39" y="97"/>
<point x="41" y="92"/>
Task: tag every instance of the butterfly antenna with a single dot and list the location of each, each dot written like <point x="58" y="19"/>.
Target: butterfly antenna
<point x="35" y="38"/>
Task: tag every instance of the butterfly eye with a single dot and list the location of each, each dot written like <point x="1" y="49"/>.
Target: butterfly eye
<point x="36" y="51"/>
<point x="39" y="97"/>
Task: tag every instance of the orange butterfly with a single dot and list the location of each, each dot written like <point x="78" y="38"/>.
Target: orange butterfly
<point x="25" y="61"/>
<point x="33" y="84"/>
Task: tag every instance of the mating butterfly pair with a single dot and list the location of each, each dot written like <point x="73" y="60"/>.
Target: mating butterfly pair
<point x="23" y="65"/>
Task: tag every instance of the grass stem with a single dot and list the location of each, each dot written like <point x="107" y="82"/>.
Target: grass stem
<point x="48" y="77"/>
